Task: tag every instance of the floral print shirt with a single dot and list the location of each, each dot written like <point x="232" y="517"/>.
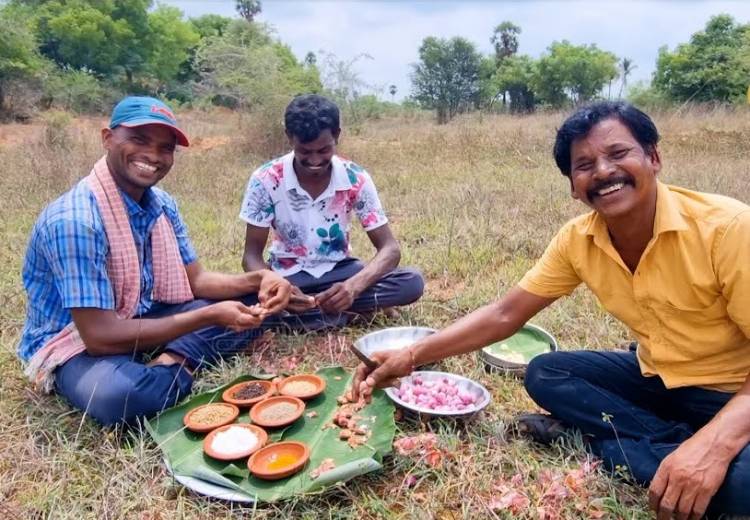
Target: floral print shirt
<point x="310" y="235"/>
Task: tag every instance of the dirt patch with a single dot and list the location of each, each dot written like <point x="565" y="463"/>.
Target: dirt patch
<point x="444" y="289"/>
<point x="209" y="143"/>
<point x="13" y="134"/>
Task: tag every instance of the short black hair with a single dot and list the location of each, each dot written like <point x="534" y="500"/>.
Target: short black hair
<point x="309" y="115"/>
<point x="580" y="123"/>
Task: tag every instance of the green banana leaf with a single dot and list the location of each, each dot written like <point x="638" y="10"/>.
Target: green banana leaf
<point x="184" y="449"/>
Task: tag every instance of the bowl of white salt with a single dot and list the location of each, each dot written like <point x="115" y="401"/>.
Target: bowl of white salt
<point x="234" y="441"/>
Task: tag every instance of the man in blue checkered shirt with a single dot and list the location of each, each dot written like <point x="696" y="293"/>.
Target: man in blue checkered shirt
<point x="66" y="279"/>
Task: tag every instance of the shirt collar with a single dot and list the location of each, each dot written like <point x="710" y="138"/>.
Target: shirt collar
<point x="339" y="176"/>
<point x="149" y="206"/>
<point x="668" y="216"/>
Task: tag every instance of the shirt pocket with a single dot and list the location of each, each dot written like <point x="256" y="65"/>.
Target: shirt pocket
<point x="694" y="331"/>
<point x="693" y="313"/>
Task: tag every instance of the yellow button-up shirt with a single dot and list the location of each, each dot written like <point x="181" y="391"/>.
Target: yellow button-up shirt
<point x="688" y="301"/>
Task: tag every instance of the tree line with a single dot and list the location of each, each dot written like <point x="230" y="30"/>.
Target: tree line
<point x="452" y="76"/>
<point x="83" y="55"/>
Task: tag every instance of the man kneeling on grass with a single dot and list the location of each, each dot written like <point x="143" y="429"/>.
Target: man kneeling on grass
<point x="111" y="275"/>
<point x="674" y="266"/>
<point x="309" y="197"/>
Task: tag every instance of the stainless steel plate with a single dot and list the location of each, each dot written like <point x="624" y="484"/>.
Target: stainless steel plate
<point x="480" y="393"/>
<point x="393" y="338"/>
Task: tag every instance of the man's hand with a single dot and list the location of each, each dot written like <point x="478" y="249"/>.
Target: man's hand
<point x="274" y="292"/>
<point x="299" y="301"/>
<point x="338" y="298"/>
<point x="392" y="365"/>
<point x="687" y="479"/>
<point x="237" y="316"/>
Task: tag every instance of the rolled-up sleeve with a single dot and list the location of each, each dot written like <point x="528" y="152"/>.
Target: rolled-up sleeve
<point x="553" y="275"/>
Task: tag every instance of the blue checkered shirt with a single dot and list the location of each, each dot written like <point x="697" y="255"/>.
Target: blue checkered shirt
<point x="66" y="260"/>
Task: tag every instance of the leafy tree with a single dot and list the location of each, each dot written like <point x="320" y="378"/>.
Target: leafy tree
<point x="446" y="78"/>
<point x="100" y="36"/>
<point x="392" y="89"/>
<point x="515" y="76"/>
<point x="248" y="34"/>
<point x="713" y="66"/>
<point x="505" y="40"/>
<point x="172" y="40"/>
<point x="248" y="9"/>
<point x="210" y="25"/>
<point x="245" y="68"/>
<point x="299" y="78"/>
<point x="573" y="73"/>
<point x="19" y="58"/>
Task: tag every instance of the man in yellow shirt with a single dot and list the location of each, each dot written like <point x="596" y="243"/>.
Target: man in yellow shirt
<point x="674" y="266"/>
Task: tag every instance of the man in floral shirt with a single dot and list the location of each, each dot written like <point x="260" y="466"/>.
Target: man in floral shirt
<point x="308" y="199"/>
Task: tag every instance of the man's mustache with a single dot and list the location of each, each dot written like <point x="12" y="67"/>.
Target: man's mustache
<point x="594" y="190"/>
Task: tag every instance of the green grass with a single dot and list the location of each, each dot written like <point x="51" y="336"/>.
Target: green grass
<point x="473" y="203"/>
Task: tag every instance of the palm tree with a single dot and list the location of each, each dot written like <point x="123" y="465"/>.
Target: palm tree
<point x="248" y="9"/>
<point x="626" y="68"/>
<point x="392" y="91"/>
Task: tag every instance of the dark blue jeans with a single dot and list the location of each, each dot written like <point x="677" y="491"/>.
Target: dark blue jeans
<point x="634" y="421"/>
<point x="399" y="287"/>
<point x="121" y="388"/>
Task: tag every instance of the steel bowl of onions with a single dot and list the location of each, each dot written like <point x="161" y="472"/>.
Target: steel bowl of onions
<point x="439" y="394"/>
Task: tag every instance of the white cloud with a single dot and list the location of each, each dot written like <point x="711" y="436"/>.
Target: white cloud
<point x="391" y="32"/>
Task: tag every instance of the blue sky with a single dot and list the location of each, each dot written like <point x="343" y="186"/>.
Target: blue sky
<point x="392" y="31"/>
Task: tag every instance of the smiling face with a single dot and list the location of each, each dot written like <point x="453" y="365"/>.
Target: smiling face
<point x="139" y="157"/>
<point x="313" y="159"/>
<point x="612" y="173"/>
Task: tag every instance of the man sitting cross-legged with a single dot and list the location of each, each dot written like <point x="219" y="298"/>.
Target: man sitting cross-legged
<point x="674" y="266"/>
<point x="308" y="198"/>
<point x="111" y="274"/>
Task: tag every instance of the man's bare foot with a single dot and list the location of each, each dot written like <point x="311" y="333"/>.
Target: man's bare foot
<point x="169" y="358"/>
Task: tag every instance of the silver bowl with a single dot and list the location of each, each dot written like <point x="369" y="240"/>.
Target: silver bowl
<point x="479" y="392"/>
<point x="393" y="338"/>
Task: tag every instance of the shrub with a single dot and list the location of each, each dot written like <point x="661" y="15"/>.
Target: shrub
<point x="647" y="97"/>
<point x="56" y="131"/>
<point x="79" y="91"/>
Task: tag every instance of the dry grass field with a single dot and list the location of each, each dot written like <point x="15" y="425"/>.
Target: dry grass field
<point x="473" y="203"/>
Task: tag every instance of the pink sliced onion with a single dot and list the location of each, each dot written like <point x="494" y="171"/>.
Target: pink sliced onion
<point x="441" y="395"/>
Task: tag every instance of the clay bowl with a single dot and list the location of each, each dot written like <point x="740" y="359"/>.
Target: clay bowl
<point x="260" y="433"/>
<point x="200" y="427"/>
<point x="228" y="394"/>
<point x="257" y="411"/>
<point x="285" y="386"/>
<point x="268" y="463"/>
